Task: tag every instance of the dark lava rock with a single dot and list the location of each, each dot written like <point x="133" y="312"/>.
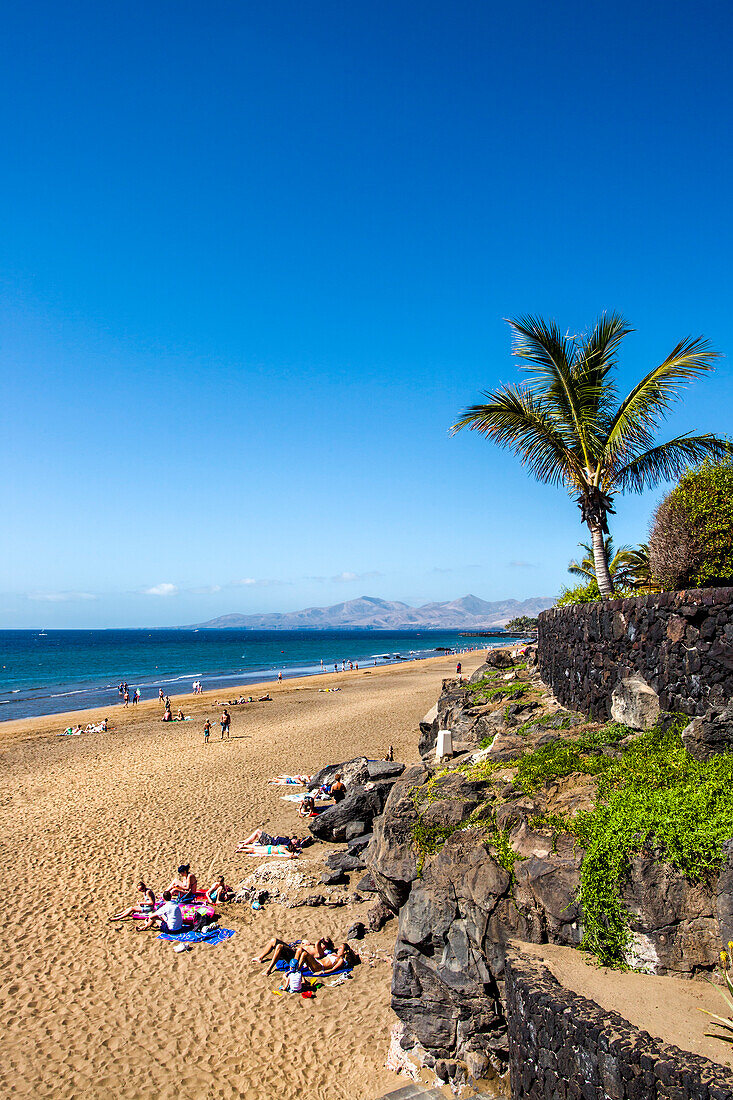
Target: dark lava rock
<point x="362" y="804"/>
<point x="354" y="830"/>
<point x="379" y="915"/>
<point x="367" y="884"/>
<point x="384" y="769"/>
<point x="333" y="878"/>
<point x="357" y="931"/>
<point x="391" y="857"/>
<point x="359" y="843"/>
<point x="352" y="772"/>
<point x="344" y="861"/>
<point x="712" y="733"/>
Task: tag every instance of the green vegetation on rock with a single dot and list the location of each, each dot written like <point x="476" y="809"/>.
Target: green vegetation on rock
<point x="652" y="797"/>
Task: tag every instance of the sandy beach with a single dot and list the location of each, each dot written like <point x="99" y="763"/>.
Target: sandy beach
<point x="96" y="1010"/>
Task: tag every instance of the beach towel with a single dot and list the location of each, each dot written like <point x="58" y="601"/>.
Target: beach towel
<point x="216" y="936"/>
<point x="188" y="912"/>
<point x="293" y="797"/>
<point x="291" y="780"/>
<point x="307" y="973"/>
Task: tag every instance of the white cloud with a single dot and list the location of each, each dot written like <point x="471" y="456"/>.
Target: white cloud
<point x="205" y="590"/>
<point x="61" y="597"/>
<point x="163" y="589"/>
<point x="522" y="565"/>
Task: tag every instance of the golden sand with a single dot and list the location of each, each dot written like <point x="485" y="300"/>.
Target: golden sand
<point x="92" y="1009"/>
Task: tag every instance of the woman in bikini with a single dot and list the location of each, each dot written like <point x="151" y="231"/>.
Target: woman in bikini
<point x="184" y="887"/>
<point x="145" y="905"/>
<point x="331" y="961"/>
<point x="282" y="851"/>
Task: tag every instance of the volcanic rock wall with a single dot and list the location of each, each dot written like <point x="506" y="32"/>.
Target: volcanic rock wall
<point x="681" y="643"/>
<point x="565" y="1047"/>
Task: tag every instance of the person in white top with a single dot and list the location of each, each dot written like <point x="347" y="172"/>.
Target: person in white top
<point x="168" y="915"/>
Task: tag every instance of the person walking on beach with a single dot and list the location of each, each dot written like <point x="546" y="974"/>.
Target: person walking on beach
<point x="458" y="670"/>
<point x="280" y="678"/>
<point x="207" y="731"/>
<point x="224" y="722"/>
<point x="126" y="697"/>
<point x="136" y="697"/>
<point x="161" y="697"/>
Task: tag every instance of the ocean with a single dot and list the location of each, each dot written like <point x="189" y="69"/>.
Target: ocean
<point x="50" y="672"/>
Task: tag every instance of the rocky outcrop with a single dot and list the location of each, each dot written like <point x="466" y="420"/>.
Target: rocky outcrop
<point x="391" y="856"/>
<point x="353" y="773"/>
<point x="467" y="864"/>
<point x="354" y="815"/>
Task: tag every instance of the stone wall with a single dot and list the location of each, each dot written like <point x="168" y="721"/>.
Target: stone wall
<point x="681" y="643"/>
<point x="565" y="1047"/>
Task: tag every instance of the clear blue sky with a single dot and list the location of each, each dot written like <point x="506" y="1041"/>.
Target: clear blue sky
<point x="255" y="259"/>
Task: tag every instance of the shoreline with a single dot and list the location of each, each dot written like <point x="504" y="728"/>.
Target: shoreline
<point x="13" y="730"/>
<point x="71" y="694"/>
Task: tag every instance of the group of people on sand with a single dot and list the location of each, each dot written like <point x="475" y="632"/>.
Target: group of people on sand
<point x="166" y="914"/>
<point x="322" y="958"/>
<point x="91" y="727"/>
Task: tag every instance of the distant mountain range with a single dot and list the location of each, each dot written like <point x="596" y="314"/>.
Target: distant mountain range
<point x="371" y="613"/>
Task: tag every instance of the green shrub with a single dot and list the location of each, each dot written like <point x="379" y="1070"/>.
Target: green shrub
<point x="521" y="625"/>
<point x="579" y="593"/>
<point x="691" y="542"/>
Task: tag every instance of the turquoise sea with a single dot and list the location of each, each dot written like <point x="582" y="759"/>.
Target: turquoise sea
<point x="49" y="672"/>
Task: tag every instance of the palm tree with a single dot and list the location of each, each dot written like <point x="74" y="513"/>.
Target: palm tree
<point x="567" y="426"/>
<point x="638" y="569"/>
<point x="617" y="562"/>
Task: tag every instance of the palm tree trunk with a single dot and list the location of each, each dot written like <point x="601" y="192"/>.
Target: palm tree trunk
<point x="603" y="575"/>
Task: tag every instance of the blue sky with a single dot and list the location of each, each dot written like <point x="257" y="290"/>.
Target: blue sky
<point x="255" y="260"/>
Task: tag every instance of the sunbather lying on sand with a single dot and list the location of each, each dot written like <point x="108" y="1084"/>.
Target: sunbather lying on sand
<point x="333" y="960"/>
<point x="145" y="905"/>
<point x="282" y="851"/>
<point x="259" y="838"/>
<point x="287" y="952"/>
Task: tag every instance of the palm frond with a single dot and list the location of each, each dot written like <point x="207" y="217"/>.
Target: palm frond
<point x="514" y="418"/>
<point x="596" y="361"/>
<point x="618" y="561"/>
<point x="669" y="460"/>
<point x="641" y="411"/>
<point x="550" y="358"/>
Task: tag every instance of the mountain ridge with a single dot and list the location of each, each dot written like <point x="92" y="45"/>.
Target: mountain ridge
<point x="372" y="613"/>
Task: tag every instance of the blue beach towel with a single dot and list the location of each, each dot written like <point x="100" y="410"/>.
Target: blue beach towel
<point x="214" y="938"/>
<point x="282" y="965"/>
